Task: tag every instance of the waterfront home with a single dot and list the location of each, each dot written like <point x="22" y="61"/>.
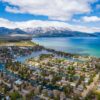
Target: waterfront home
<point x="80" y="88"/>
<point x="18" y="85"/>
<point x="26" y="89"/>
<point x="86" y="80"/>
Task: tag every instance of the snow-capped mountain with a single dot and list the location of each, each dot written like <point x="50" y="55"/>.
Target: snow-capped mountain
<point x="45" y="29"/>
<point x="56" y="32"/>
<point x="28" y="33"/>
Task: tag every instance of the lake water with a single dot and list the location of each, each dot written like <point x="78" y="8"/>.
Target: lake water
<point x="34" y="54"/>
<point x="84" y="46"/>
<point x="1" y="66"/>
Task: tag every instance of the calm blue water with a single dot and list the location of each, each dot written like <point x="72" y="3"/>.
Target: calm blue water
<point x="1" y="67"/>
<point x="34" y="54"/>
<point x="85" y="46"/>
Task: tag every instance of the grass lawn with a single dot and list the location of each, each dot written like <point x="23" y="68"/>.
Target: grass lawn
<point x="20" y="43"/>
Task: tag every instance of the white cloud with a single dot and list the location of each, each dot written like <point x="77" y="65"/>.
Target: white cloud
<point x="91" y="19"/>
<point x="6" y="23"/>
<point x="54" y="9"/>
<point x="39" y="23"/>
<point x="30" y="23"/>
<point x="98" y="6"/>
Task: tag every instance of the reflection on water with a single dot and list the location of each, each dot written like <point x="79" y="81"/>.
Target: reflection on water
<point x="86" y="46"/>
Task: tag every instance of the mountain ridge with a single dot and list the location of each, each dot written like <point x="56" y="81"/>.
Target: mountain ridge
<point x="13" y="34"/>
<point x="28" y="33"/>
<point x="57" y="32"/>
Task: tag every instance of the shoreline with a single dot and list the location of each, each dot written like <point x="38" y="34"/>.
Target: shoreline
<point x="48" y="70"/>
<point x="81" y="46"/>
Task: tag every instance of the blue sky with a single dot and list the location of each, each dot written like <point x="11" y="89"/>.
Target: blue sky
<point x="17" y="17"/>
<point x="80" y="13"/>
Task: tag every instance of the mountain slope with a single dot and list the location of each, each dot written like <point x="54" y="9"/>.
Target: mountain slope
<point x="6" y="31"/>
<point x="56" y="32"/>
<point x="98" y="34"/>
<point x="13" y="34"/>
<point x="28" y="33"/>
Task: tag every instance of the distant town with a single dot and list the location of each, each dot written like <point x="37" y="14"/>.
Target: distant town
<point x="29" y="71"/>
